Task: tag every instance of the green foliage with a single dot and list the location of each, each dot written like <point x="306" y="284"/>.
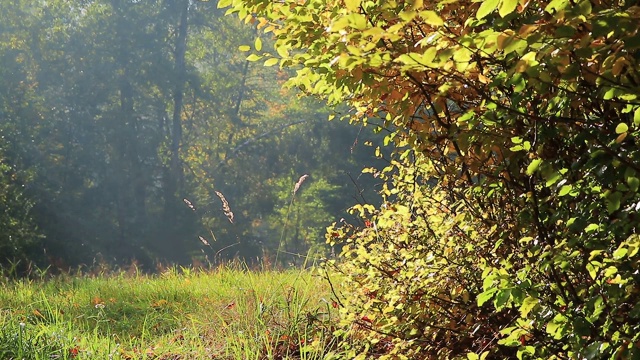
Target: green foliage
<point x="19" y="237"/>
<point x="510" y="222"/>
<point x="19" y="343"/>
<point x="226" y="313"/>
<point x="415" y="269"/>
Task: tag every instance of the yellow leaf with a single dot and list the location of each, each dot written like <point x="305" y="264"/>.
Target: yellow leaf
<point x="352" y="5"/>
<point x="622" y="128"/>
<point x="507" y="7"/>
<point x="282" y="51"/>
<point x="407" y="15"/>
<point x="486" y="8"/>
<point x="271" y="62"/>
<point x="431" y="18"/>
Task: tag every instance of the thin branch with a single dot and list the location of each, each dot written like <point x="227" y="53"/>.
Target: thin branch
<point x="234" y="152"/>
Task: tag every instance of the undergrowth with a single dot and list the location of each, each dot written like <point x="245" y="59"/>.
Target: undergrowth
<point x="226" y="313"/>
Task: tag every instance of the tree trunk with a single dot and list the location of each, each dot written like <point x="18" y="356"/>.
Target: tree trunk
<point x="176" y="175"/>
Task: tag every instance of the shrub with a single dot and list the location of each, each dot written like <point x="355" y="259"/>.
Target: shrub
<point x="510" y="222"/>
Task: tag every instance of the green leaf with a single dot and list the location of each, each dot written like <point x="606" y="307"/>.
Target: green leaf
<point x="410" y="59"/>
<point x="474" y="356"/>
<point x="224" y="3"/>
<point x="486" y="8"/>
<point x="557" y="6"/>
<point x="535" y="164"/>
<point x="565" y="31"/>
<point x="517" y="45"/>
<point x="611" y="93"/>
<point x="593" y="351"/>
<point x="565" y="189"/>
<point x="527" y="305"/>
<point x="593" y="268"/>
<point x="636" y="116"/>
<point x="486" y="296"/>
<point x="620" y="253"/>
<point x="553" y="178"/>
<point x="581" y="327"/>
<point x="610" y="271"/>
<point x="633" y="183"/>
<point x="613" y="201"/>
<point x="622" y="128"/>
<point x="527" y="61"/>
<point x="271" y="62"/>
<point x="527" y="350"/>
<point x="526" y="240"/>
<point x="357" y="21"/>
<point x="557" y="327"/>
<point x="254" y="57"/>
<point x="584" y="8"/>
<point x="591" y="228"/>
<point x="507" y="7"/>
<point x="501" y="299"/>
<point x="244" y="47"/>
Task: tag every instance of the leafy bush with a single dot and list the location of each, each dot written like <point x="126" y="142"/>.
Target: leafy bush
<point x="415" y="268"/>
<point x="510" y="227"/>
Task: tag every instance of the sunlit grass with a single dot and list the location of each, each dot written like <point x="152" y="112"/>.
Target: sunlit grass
<point x="227" y="313"/>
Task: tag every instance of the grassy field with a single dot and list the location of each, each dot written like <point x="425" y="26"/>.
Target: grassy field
<point x="227" y="313"/>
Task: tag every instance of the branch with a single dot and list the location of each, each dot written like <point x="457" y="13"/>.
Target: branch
<point x="234" y="152"/>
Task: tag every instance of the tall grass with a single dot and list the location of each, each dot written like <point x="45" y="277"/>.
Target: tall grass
<point x="226" y="313"/>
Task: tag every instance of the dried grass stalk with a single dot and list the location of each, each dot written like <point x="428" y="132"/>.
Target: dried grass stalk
<point x="203" y="240"/>
<point x="189" y="204"/>
<point x="225" y="206"/>
<point x="299" y="183"/>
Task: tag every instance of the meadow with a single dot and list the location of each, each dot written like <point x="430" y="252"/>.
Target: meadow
<point x="223" y="313"/>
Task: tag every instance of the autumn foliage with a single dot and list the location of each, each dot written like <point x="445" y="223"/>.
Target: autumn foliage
<point x="509" y="227"/>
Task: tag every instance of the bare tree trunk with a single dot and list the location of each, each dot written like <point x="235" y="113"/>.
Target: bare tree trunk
<point x="130" y="180"/>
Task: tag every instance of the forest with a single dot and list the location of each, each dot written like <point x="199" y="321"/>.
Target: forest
<point x="137" y="131"/>
<point x="490" y="147"/>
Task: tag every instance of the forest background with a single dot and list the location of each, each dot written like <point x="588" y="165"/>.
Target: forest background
<point x="128" y="126"/>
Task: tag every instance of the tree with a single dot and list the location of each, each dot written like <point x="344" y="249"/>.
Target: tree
<point x="512" y="199"/>
<point x="20" y="238"/>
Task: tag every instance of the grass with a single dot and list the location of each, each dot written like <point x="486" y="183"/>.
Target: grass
<point x="227" y="313"/>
